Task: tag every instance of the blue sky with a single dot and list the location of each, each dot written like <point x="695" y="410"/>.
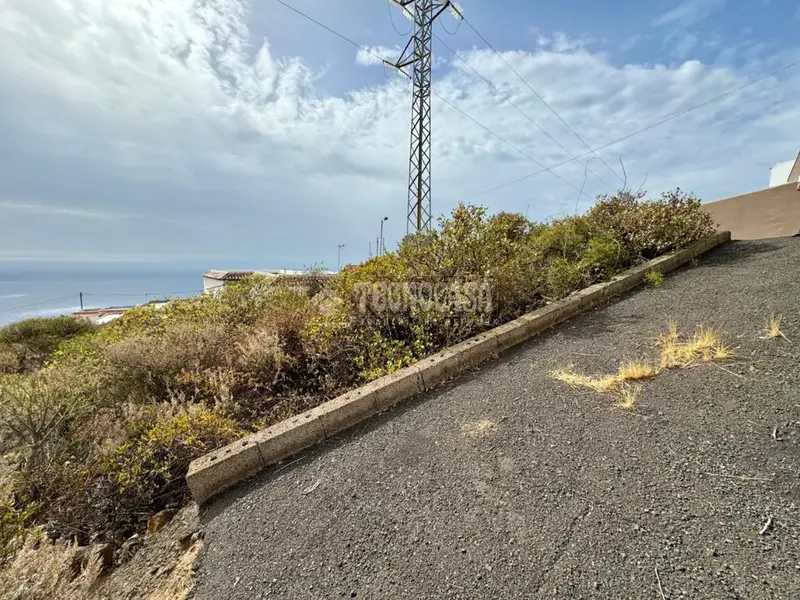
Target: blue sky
<point x="227" y="133"/>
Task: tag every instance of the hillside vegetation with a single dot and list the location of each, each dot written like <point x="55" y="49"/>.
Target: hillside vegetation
<point x="102" y="423"/>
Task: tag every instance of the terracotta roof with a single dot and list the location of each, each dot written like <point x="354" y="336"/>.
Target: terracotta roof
<point x="235" y="275"/>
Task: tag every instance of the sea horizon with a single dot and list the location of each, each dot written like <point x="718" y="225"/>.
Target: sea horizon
<point x="30" y="290"/>
<point x="37" y="288"/>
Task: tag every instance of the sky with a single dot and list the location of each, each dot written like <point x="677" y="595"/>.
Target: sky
<point x="237" y="134"/>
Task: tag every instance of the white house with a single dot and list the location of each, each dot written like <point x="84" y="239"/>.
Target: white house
<point x="101" y="316"/>
<point x="216" y="279"/>
<point x="785" y="172"/>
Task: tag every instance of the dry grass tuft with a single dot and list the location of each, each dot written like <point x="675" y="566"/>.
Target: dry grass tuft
<point x="632" y="371"/>
<point x="615" y="384"/>
<point x="722" y="352"/>
<point x="42" y="570"/>
<point x="704" y="346"/>
<point x="773" y="329"/>
<point x="181" y="581"/>
<point x="598" y="384"/>
<point x="671" y="337"/>
<point x="627" y="395"/>
<point x="628" y="371"/>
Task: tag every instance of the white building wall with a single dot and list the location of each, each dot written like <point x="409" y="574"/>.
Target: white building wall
<point x="209" y="285"/>
<point x="779" y="174"/>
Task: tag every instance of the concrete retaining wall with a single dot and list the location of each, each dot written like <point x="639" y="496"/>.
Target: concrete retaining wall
<point x="225" y="467"/>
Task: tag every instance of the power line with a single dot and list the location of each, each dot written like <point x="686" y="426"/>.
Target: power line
<point x="391" y="18"/>
<point x="512" y="103"/>
<point x="126" y="294"/>
<point x="583" y="185"/>
<point x="530" y="87"/>
<point x="506" y="142"/>
<point x="457" y="26"/>
<point x="579" y="156"/>
<point x="325" y="27"/>
<point x="643" y="129"/>
<point x="131" y="294"/>
<point x="43" y="302"/>
<point x="481" y="125"/>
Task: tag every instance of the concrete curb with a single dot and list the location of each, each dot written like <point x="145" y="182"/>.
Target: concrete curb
<point x="223" y="468"/>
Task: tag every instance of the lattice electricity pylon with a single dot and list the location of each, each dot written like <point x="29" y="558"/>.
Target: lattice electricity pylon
<point x="425" y="12"/>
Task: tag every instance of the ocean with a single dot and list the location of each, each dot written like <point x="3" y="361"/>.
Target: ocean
<point x="35" y="290"/>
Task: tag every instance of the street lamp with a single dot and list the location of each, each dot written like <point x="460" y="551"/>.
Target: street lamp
<point x="382" y="245"/>
<point x="339" y="256"/>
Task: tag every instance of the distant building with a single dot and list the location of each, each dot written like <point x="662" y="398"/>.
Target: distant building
<point x="215" y="279"/>
<point x="785" y="172"/>
<point x="101" y="316"/>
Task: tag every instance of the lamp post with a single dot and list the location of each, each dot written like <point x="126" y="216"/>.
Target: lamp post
<point x="382" y="246"/>
<point x="339" y="256"/>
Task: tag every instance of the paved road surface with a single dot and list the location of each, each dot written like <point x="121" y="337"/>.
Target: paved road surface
<point x="566" y="496"/>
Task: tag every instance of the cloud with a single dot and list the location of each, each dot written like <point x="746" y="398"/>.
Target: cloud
<point x="60" y="211"/>
<point x="690" y="12"/>
<point x="55" y="211"/>
<point x="368" y="56"/>
<point x="561" y="42"/>
<point x="172" y="130"/>
<point x="34" y="256"/>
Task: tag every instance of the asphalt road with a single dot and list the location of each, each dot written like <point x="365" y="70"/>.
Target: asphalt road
<point x="564" y="495"/>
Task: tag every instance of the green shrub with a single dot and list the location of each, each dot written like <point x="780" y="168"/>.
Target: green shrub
<point x="384" y="268"/>
<point x="39" y="415"/>
<point x="654" y="279"/>
<point x="649" y="229"/>
<point x="260" y="360"/>
<point x="34" y="340"/>
<point x="603" y="257"/>
<point x="287" y="315"/>
<point x="563" y="277"/>
<point x="330" y="348"/>
<point x="510" y="227"/>
<point x="472" y="248"/>
<point x="238" y="305"/>
<point x="13" y="527"/>
<point x="9" y="360"/>
<point x="110" y="494"/>
<point x="83" y="351"/>
<point x="148" y="472"/>
<point x="154" y="367"/>
<point x="112" y="421"/>
<point x="316" y="280"/>
<point x="382" y="356"/>
<point x="242" y="303"/>
<point x="38" y="408"/>
<point x="43" y="335"/>
<point x="565" y="238"/>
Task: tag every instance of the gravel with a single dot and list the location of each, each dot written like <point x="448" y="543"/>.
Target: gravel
<point x="565" y="496"/>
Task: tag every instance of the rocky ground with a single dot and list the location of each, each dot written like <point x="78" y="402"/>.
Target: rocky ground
<point x="509" y="484"/>
<point x="163" y="565"/>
